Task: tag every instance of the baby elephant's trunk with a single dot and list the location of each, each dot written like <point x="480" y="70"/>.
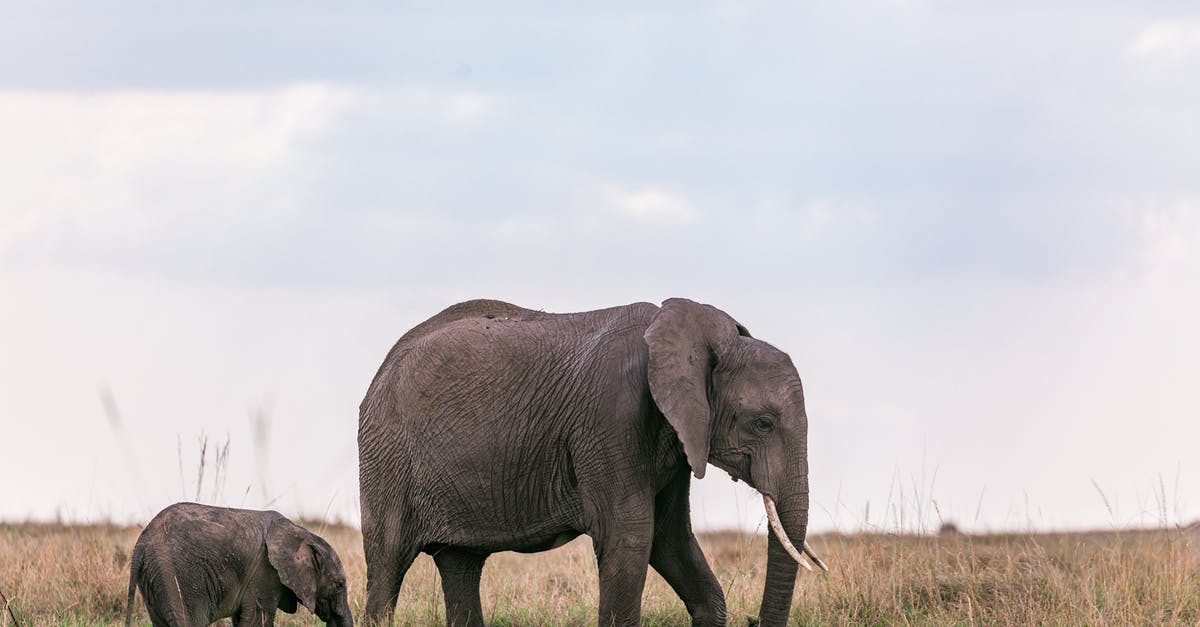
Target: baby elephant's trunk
<point x="343" y="618"/>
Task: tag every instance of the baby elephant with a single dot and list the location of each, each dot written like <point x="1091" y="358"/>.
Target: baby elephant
<point x="196" y="564"/>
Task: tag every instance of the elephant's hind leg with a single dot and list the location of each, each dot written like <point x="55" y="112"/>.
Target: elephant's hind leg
<point x="164" y="601"/>
<point x="460" y="571"/>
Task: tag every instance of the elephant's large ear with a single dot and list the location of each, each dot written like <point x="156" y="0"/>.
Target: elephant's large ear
<point x="295" y="559"/>
<point x="686" y="339"/>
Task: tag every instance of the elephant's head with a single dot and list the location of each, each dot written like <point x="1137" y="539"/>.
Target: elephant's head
<point x="311" y="570"/>
<point x="737" y="402"/>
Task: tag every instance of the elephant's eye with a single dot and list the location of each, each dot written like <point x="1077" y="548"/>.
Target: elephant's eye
<point x="764" y="424"/>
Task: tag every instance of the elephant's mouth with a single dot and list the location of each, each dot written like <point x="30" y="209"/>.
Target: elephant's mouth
<point x="735" y="462"/>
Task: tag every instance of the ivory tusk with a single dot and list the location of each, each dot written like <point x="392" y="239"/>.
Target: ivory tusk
<point x="813" y="556"/>
<point x="780" y="534"/>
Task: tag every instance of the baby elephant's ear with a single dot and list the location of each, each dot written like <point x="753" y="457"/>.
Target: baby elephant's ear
<point x="295" y="559"/>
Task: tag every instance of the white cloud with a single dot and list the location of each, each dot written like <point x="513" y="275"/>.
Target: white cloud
<point x="651" y="204"/>
<point x="468" y="107"/>
<point x="113" y="169"/>
<point x="1172" y="244"/>
<point x="526" y="229"/>
<point x="825" y="214"/>
<point x="737" y="9"/>
<point x="426" y="105"/>
<point x="1171" y="39"/>
<point x="599" y="208"/>
<point x="821" y="218"/>
<point x="118" y="166"/>
<point x="287" y="114"/>
<point x="21" y="224"/>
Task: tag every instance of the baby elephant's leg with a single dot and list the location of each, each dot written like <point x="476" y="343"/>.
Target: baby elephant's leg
<point x="255" y="612"/>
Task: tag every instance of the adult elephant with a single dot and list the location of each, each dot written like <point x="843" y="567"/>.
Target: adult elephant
<point x="491" y="427"/>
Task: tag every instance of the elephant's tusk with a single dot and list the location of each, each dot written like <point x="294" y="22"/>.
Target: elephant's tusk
<point x="813" y="556"/>
<point x="780" y="534"/>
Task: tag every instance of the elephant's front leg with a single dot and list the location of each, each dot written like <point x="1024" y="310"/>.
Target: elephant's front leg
<point x="252" y="619"/>
<point x="623" y="554"/>
<point x="676" y="555"/>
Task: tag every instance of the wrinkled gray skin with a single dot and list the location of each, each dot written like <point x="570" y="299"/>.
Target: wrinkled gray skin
<point x="196" y="564"/>
<point x="491" y="427"/>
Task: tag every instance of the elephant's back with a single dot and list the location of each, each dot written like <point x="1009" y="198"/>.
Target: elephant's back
<point x="491" y="344"/>
<point x="188" y="528"/>
<point x="478" y="308"/>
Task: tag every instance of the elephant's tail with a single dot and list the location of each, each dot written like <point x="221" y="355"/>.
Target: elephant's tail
<point x="134" y="563"/>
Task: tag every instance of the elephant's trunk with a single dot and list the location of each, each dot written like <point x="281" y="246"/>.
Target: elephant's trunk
<point x="342" y="616"/>
<point x="782" y="559"/>
<point x="781" y="535"/>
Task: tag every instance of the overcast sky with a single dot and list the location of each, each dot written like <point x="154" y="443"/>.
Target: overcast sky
<point x="973" y="226"/>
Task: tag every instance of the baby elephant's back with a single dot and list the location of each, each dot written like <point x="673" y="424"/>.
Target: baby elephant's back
<point x="185" y="530"/>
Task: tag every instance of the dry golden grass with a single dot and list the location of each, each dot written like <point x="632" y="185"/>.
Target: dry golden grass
<point x="77" y="575"/>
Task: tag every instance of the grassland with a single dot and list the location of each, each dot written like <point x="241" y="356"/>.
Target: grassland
<point x="77" y="575"/>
